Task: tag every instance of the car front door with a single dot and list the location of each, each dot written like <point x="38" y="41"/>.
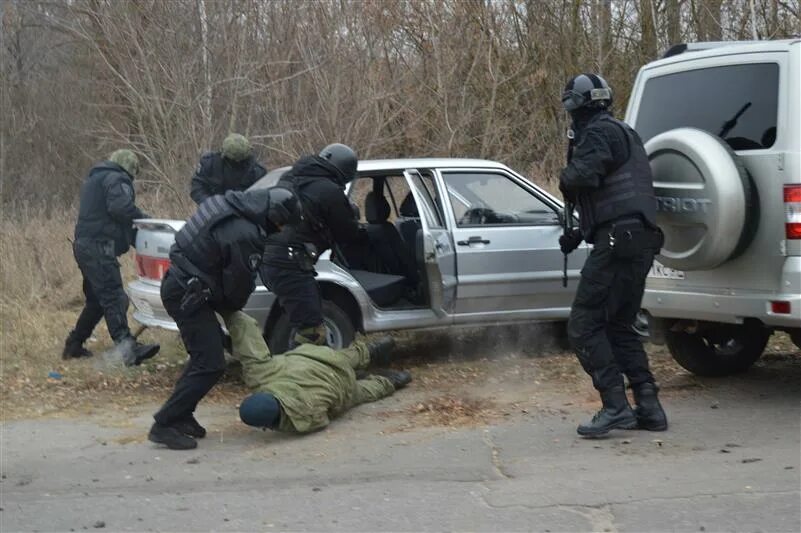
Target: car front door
<point x="437" y="245"/>
<point x="507" y="252"/>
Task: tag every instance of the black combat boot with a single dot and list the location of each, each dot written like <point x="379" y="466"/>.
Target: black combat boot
<point x="380" y="350"/>
<point x="649" y="412"/>
<point x="135" y="353"/>
<point x="190" y="427"/>
<point x="74" y="349"/>
<point x="398" y="378"/>
<point x="616" y="413"/>
<point x="171" y="437"/>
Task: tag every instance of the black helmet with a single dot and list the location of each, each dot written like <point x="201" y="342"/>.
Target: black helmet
<point x="283" y="207"/>
<point x="586" y="90"/>
<point x="343" y="158"/>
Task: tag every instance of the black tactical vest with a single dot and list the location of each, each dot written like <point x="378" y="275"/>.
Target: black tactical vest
<point x="626" y="192"/>
<point x="194" y="239"/>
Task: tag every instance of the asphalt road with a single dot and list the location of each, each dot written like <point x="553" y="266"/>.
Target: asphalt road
<point x="730" y="462"/>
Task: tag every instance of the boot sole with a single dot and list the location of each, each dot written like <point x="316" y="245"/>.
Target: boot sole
<point x="157" y="440"/>
<point x="623" y="424"/>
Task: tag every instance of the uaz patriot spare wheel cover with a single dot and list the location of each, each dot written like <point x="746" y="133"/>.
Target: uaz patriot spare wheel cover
<point x="703" y="194"/>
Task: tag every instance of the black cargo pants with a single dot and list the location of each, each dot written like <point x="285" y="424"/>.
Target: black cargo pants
<point x="102" y="286"/>
<point x="203" y="339"/>
<point x="607" y="301"/>
<point x="298" y="293"/>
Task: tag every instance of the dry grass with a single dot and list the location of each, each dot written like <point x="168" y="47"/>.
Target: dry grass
<point x="40" y="300"/>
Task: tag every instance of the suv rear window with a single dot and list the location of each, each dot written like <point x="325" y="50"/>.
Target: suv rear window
<point x="738" y="103"/>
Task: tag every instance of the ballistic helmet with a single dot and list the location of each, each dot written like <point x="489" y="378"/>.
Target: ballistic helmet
<point x="260" y="410"/>
<point x="586" y="91"/>
<point x="127" y="160"/>
<point x="236" y="147"/>
<point x="342" y="158"/>
<point x="284" y="207"/>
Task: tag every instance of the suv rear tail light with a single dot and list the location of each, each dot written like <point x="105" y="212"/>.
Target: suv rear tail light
<point x="792" y="211"/>
<point x="151" y="267"/>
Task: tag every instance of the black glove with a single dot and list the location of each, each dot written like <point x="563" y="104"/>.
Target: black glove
<point x="570" y="241"/>
<point x="567" y="194"/>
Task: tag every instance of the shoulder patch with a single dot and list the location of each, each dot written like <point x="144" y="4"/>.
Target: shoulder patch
<point x="254" y="261"/>
<point x="127" y="190"/>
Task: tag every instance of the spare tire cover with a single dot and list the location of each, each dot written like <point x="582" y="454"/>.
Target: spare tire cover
<point x="701" y="189"/>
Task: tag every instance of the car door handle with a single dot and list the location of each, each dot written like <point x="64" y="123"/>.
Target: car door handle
<point x="472" y="240"/>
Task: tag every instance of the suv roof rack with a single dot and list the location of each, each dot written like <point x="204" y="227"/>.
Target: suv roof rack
<point x="681" y="48"/>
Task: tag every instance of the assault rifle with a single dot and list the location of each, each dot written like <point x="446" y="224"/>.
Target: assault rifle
<point x="567" y="229"/>
<point x="567" y="218"/>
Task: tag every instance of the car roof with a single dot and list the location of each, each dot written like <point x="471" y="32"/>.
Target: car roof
<point x="381" y="165"/>
<point x="367" y="165"/>
<point x="701" y="50"/>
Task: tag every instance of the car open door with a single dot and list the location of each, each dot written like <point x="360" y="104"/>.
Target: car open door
<point x="439" y="256"/>
<point x="506" y="238"/>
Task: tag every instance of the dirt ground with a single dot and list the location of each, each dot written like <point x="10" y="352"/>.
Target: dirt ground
<point x="462" y="377"/>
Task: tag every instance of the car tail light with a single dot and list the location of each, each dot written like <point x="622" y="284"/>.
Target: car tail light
<point x="151" y="267"/>
<point x="792" y="211"/>
<point x="780" y="307"/>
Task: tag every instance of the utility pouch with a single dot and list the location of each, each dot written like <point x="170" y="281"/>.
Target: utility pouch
<point x="628" y="241"/>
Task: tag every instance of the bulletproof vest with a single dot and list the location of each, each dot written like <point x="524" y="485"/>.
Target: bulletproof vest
<point x="194" y="239"/>
<point x="626" y="192"/>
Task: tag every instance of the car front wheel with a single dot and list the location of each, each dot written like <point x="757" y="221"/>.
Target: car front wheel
<point x="340" y="331"/>
<point x="718" y="351"/>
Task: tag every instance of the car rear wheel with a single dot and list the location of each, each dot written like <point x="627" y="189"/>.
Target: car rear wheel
<point x="340" y="331"/>
<point x="718" y="351"/>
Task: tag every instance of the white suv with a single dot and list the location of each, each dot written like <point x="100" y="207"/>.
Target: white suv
<point x="722" y="127"/>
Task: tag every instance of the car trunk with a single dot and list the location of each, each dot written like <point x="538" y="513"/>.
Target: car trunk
<point x="153" y="240"/>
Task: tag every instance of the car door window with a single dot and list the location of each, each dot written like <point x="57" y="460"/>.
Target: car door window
<point x="494" y="199"/>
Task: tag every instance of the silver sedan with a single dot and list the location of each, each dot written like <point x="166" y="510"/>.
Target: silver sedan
<point x="476" y="241"/>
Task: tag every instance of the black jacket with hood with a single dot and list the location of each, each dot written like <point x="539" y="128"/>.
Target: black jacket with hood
<point x="215" y="175"/>
<point x="322" y="194"/>
<point x="222" y="244"/>
<point x="107" y="207"/>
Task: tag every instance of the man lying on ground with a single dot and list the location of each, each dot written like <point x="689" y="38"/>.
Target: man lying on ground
<point x="303" y="389"/>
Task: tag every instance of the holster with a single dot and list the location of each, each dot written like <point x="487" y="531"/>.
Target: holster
<point x="628" y="240"/>
<point x="196" y="295"/>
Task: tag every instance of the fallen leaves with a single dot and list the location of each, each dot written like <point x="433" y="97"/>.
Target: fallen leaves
<point x="453" y="411"/>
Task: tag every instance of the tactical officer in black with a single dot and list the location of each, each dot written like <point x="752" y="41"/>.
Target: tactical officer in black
<point x="103" y="232"/>
<point x="608" y="177"/>
<point x="213" y="267"/>
<point x="232" y="169"/>
<point x="328" y="221"/>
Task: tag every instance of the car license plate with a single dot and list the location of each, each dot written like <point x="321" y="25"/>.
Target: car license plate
<point x="662" y="272"/>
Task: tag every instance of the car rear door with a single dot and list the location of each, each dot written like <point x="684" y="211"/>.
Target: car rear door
<point x="437" y="245"/>
<point x="507" y="247"/>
